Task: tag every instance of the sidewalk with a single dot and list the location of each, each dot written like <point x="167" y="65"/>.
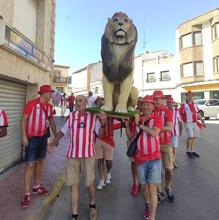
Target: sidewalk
<point x="12" y="188"/>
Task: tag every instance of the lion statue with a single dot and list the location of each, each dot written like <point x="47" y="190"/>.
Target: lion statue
<point x="117" y="52"/>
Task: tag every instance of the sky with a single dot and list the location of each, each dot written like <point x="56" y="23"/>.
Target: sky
<point x="80" y="25"/>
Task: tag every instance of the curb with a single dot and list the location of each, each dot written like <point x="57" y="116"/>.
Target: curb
<point x="44" y="203"/>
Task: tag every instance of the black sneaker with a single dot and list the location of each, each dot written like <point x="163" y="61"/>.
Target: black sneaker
<point x="160" y="197"/>
<point x="194" y="154"/>
<point x="170" y="195"/>
<point x="189" y="154"/>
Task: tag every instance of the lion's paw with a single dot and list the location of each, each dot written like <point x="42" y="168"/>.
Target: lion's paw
<point x="106" y="108"/>
<point x="131" y="108"/>
<point x="121" y="108"/>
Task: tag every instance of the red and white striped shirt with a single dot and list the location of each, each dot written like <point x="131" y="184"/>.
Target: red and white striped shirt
<point x="176" y="119"/>
<point x="38" y="115"/>
<point x="148" y="146"/>
<point x="189" y="112"/>
<point x="3" y="119"/>
<point x="63" y="101"/>
<point x="166" y="115"/>
<point x="82" y="134"/>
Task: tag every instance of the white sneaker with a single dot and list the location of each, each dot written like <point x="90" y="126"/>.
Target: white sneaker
<point x="108" y="178"/>
<point x="101" y="184"/>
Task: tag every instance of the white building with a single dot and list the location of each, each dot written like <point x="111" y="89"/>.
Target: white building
<point x="157" y="71"/>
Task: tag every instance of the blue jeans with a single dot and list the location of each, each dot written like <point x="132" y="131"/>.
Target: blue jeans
<point x="149" y="172"/>
<point x="36" y="149"/>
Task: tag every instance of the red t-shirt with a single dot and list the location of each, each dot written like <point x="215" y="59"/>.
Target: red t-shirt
<point x="38" y="115"/>
<point x="71" y="100"/>
<point x="111" y="125"/>
<point x="166" y="115"/>
<point x="148" y="147"/>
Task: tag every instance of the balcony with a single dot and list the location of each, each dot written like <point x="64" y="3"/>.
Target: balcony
<point x="62" y="80"/>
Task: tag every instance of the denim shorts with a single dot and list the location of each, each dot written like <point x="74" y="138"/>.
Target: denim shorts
<point x="36" y="149"/>
<point x="149" y="172"/>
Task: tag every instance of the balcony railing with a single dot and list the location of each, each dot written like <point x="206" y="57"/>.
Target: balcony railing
<point x="66" y="80"/>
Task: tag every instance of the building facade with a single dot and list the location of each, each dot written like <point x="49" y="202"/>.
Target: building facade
<point x="156" y="71"/>
<point x="197" y="54"/>
<point x="27" y="29"/>
<point x="88" y="79"/>
<point x="62" y="79"/>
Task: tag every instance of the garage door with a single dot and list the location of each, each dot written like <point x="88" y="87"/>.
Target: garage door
<point x="12" y="101"/>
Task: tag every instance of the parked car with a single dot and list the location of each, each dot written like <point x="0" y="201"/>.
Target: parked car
<point x="208" y="107"/>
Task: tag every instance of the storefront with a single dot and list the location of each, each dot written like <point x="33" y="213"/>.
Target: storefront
<point x="12" y="100"/>
<point x="202" y="91"/>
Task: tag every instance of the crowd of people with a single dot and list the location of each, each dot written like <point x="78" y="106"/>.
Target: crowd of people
<point x="158" y="124"/>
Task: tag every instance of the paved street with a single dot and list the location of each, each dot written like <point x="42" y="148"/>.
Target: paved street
<point x="196" y="187"/>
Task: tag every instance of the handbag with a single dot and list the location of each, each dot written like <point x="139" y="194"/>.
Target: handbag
<point x="133" y="145"/>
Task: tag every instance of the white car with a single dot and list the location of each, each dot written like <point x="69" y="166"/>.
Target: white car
<point x="208" y="107"/>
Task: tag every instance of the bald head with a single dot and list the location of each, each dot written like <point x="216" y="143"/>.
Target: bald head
<point x="81" y="102"/>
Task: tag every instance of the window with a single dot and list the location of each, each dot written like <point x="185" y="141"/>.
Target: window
<point x="151" y="77"/>
<point x="191" y="39"/>
<point x="164" y="76"/>
<point x="212" y="102"/>
<point x="214" y="94"/>
<point x="57" y="74"/>
<point x="216" y="64"/>
<point x="199" y="68"/>
<point x="187" y="70"/>
<point x="197" y="38"/>
<point x="186" y="41"/>
<point x="217" y="30"/>
<point x="200" y="102"/>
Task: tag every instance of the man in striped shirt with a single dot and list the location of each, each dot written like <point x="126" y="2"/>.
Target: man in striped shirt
<point x="190" y="114"/>
<point x="177" y="126"/>
<point x="3" y="124"/>
<point x="165" y="142"/>
<point x="37" y="113"/>
<point x="63" y="104"/>
<point x="148" y="156"/>
<point x="82" y="126"/>
<point x="104" y="148"/>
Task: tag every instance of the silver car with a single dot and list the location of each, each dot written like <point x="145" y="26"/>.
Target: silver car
<point x="208" y="107"/>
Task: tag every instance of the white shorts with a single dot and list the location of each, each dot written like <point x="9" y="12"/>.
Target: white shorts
<point x="192" y="129"/>
<point x="175" y="141"/>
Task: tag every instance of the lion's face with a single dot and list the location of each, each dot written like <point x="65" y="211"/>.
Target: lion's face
<point x="120" y="29"/>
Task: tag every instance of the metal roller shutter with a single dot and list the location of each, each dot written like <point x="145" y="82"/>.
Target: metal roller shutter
<point x="12" y="101"/>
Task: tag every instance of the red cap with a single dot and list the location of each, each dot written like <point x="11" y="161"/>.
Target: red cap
<point x="170" y="99"/>
<point x="158" y="94"/>
<point x="45" y="88"/>
<point x="189" y="93"/>
<point x="148" y="99"/>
